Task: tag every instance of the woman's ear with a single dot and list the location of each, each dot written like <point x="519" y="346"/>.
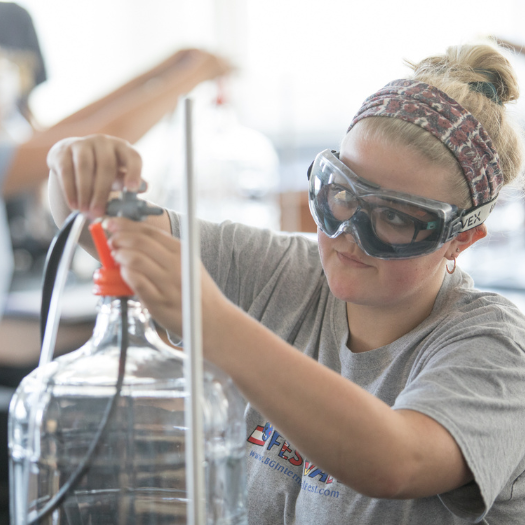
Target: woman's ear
<point x="466" y="239"/>
<point x="479" y="233"/>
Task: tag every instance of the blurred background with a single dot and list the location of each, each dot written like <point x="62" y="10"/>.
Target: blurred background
<point x="300" y="72"/>
<point x="300" y="75"/>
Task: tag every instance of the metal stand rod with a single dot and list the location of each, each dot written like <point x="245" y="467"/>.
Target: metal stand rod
<point x="192" y="336"/>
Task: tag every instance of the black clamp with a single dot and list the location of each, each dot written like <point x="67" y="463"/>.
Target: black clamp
<point x="131" y="207"/>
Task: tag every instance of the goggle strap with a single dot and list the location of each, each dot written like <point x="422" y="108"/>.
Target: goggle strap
<point x="476" y="216"/>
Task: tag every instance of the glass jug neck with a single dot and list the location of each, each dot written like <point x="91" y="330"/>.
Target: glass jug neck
<point x="109" y="320"/>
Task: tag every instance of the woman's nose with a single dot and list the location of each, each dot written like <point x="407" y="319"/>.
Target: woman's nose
<point x="349" y="237"/>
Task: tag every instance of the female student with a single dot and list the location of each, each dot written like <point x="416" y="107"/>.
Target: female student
<point x="382" y="387"/>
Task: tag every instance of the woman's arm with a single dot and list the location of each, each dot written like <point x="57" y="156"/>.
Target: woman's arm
<point x="127" y="113"/>
<point x="357" y="438"/>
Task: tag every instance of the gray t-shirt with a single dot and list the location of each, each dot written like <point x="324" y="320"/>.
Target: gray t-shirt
<point x="464" y="366"/>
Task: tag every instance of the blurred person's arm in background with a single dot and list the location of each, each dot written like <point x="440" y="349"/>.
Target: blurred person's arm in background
<point x="128" y="112"/>
<point x="513" y="46"/>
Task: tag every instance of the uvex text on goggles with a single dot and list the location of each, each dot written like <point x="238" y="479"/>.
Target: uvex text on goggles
<point x="385" y="224"/>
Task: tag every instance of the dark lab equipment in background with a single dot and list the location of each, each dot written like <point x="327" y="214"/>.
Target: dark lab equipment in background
<point x="32" y="229"/>
<point x="17" y="34"/>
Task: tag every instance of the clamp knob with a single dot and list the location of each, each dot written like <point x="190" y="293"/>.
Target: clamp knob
<point x="131" y="207"/>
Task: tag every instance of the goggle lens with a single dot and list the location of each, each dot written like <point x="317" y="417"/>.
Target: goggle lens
<point x="393" y="222"/>
<point x="383" y="224"/>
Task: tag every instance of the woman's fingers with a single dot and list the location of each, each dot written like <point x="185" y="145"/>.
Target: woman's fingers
<point x="134" y="261"/>
<point x="89" y="167"/>
<point x="121" y="225"/>
<point x="106" y="170"/>
<point x="84" y="166"/>
<point x="156" y="246"/>
<point x="167" y="313"/>
<point x="130" y="166"/>
<point x="60" y="162"/>
<point x="149" y="262"/>
<point x="147" y="292"/>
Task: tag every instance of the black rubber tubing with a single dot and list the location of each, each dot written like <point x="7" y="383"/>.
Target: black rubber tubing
<point x="50" y="272"/>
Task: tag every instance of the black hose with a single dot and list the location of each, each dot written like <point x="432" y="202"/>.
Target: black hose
<point x="84" y="465"/>
<point x="50" y="271"/>
<point x="54" y="254"/>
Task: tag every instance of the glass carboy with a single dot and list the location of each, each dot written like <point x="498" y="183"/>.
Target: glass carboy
<point x="136" y="473"/>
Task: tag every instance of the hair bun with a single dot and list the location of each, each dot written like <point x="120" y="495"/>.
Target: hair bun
<point x="482" y="80"/>
<point x="471" y="65"/>
<point x="486" y="88"/>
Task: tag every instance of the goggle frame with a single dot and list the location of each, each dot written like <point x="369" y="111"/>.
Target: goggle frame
<point x="452" y="219"/>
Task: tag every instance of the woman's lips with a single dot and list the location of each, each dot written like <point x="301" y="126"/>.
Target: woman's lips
<point x="351" y="260"/>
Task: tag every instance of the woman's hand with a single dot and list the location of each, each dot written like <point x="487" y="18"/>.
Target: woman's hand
<point x="150" y="261"/>
<point x="85" y="170"/>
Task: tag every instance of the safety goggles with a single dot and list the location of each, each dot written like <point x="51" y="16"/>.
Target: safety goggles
<point x="386" y="224"/>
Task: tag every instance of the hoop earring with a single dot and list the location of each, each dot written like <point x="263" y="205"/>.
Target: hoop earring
<point x="453" y="268"/>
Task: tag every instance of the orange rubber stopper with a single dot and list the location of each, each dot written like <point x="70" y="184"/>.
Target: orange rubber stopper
<point x="107" y="280"/>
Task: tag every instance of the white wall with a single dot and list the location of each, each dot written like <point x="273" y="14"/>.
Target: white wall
<point x="91" y="46"/>
<point x="304" y="67"/>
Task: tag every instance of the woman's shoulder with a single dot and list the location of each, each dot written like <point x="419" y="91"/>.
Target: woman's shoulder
<point x="464" y="311"/>
<point x="467" y="298"/>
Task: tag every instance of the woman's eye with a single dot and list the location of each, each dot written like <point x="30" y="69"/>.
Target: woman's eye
<point x="395" y="219"/>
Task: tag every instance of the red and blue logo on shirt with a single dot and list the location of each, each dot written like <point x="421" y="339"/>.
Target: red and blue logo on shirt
<point x="266" y="436"/>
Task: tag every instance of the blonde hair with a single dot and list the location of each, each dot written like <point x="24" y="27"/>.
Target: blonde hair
<point x="452" y="73"/>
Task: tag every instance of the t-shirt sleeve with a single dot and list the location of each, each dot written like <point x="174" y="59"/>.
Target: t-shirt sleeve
<point x="474" y="385"/>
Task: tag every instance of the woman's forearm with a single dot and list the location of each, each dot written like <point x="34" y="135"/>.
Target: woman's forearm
<point x="346" y="431"/>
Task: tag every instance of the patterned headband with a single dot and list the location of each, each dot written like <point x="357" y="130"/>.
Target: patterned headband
<point x="434" y="111"/>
